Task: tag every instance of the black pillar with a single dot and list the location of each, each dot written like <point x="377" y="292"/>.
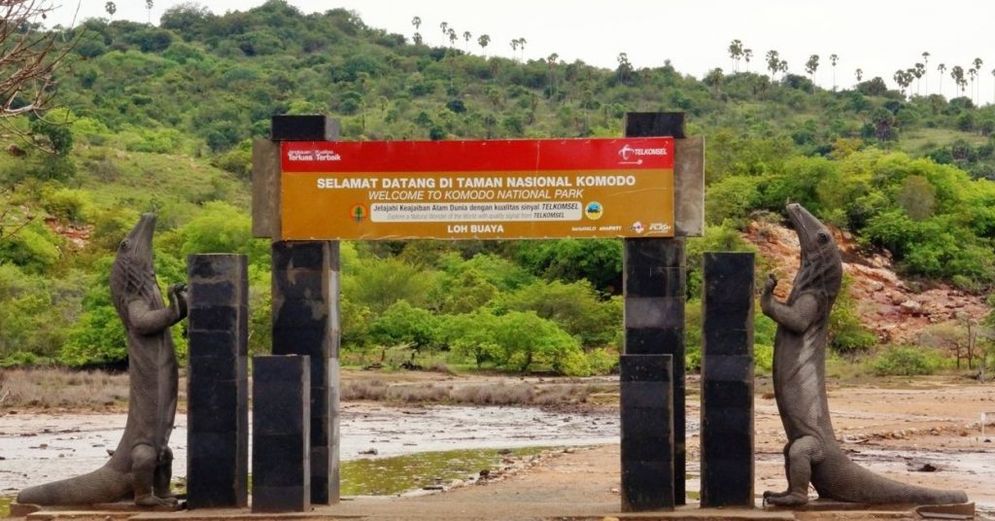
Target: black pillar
<point x="654" y="294"/>
<point x="281" y="430"/>
<point x="727" y="381"/>
<point x="306" y="318"/>
<point x="306" y="322"/>
<point x="647" y="410"/>
<point x="217" y="390"/>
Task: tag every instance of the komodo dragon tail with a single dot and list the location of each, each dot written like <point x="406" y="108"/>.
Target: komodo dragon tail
<point x="103" y="485"/>
<point x="860" y="485"/>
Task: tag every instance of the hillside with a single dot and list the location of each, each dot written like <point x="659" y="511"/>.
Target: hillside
<point x="896" y="310"/>
<point x="160" y="118"/>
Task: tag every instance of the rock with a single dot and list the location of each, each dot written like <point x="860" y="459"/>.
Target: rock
<point x="485" y="474"/>
<point x="911" y="307"/>
<point x="926" y="468"/>
<point x="504" y="451"/>
<point x="369" y="452"/>
<point x="877" y="286"/>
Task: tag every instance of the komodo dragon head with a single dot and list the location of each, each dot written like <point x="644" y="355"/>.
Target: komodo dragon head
<point x="821" y="267"/>
<point x="132" y="274"/>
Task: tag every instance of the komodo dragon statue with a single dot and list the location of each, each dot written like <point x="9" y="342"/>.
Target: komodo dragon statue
<point x="812" y="453"/>
<point x="141" y="467"/>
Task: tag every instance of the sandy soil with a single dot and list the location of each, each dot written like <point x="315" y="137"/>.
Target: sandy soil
<point x="896" y="428"/>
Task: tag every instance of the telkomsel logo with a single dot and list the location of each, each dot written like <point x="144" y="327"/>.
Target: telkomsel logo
<point x="631" y="155"/>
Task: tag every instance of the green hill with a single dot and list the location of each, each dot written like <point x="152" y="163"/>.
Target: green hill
<point x="161" y="118"/>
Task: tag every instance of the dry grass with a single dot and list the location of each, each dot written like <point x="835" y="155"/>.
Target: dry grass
<point x="495" y="393"/>
<point x="95" y="390"/>
<point x="61" y="388"/>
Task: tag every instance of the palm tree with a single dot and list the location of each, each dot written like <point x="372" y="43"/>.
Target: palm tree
<point x="993" y="87"/>
<point x="859" y="73"/>
<point x="925" y="74"/>
<point x="452" y="37"/>
<point x="773" y="60"/>
<point x="747" y="54"/>
<point x="899" y="78"/>
<point x="977" y="67"/>
<point x="466" y="38"/>
<point x="416" y="21"/>
<point x="551" y="64"/>
<point x="782" y="67"/>
<point x="811" y="66"/>
<point x="445" y="30"/>
<point x="735" y="52"/>
<point x="973" y="74"/>
<point x="833" y="60"/>
<point x="918" y="71"/>
<point x="941" y="68"/>
<point x="521" y="45"/>
<point x="514" y="49"/>
<point x="111" y="8"/>
<point x="957" y="73"/>
<point x="482" y="41"/>
<point x="148" y="8"/>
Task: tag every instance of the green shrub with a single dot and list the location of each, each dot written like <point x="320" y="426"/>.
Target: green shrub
<point x="67" y="204"/>
<point x="906" y="361"/>
<point x="33" y="247"/>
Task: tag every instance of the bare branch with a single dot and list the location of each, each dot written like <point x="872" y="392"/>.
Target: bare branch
<point x="29" y="57"/>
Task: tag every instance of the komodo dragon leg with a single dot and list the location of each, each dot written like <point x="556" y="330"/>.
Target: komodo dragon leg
<point x="803" y="453"/>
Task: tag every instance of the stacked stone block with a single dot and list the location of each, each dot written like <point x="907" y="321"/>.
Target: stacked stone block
<point x="217" y="409"/>
<point x="647" y="409"/>
<point x="306" y="322"/>
<point x="281" y="432"/>
<point x="727" y="470"/>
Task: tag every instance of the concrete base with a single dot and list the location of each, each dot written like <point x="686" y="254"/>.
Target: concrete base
<point x="430" y="508"/>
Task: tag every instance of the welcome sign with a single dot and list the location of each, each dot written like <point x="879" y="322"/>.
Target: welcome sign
<point x="504" y="189"/>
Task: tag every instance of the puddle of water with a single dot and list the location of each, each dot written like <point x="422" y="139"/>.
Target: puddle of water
<point x="394" y="475"/>
<point x="41" y="448"/>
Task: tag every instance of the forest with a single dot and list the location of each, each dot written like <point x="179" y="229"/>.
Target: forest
<point x="161" y="118"/>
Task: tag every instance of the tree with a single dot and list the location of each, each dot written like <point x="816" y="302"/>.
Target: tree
<point x="925" y="62"/>
<point x="416" y="21"/>
<point x="773" y="62"/>
<point x="28" y="59"/>
<point x="482" y="41"/>
<point x="957" y="73"/>
<point x="452" y="37"/>
<point x="747" y="55"/>
<point x="941" y="68"/>
<point x="993" y="86"/>
<point x="918" y="71"/>
<point x="833" y="60"/>
<point x="859" y="73"/>
<point x="111" y="8"/>
<point x="466" y="39"/>
<point x="149" y="4"/>
<point x="811" y="66"/>
<point x="624" y="70"/>
<point x="977" y="70"/>
<point x="521" y="45"/>
<point x="445" y="29"/>
<point x="735" y="52"/>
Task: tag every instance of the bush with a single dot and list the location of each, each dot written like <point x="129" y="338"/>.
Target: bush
<point x="67" y="204"/>
<point x="906" y="361"/>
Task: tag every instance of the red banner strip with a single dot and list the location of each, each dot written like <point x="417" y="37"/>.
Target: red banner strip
<point x="520" y="155"/>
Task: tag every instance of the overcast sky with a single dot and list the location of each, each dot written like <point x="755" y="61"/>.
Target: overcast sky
<point x="877" y="36"/>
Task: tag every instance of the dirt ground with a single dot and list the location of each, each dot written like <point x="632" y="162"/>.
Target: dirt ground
<point x="924" y="431"/>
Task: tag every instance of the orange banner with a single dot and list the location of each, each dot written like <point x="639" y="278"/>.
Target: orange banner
<point x="626" y="190"/>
